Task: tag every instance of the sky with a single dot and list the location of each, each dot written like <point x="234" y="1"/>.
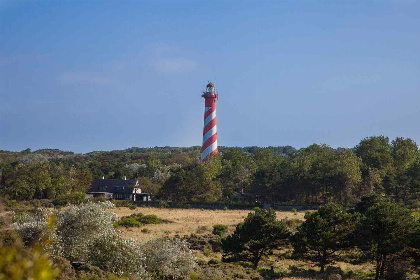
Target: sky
<point x="104" y="75"/>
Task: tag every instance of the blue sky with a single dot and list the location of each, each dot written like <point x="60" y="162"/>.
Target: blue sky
<point x="105" y="75"/>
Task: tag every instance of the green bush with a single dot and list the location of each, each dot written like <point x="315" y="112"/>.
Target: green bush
<point x="137" y="216"/>
<point x="128" y="222"/>
<point x="74" y="199"/>
<point x="137" y="220"/>
<point x="121" y="203"/>
<point x="150" y="219"/>
<point x="132" y="206"/>
<point x="101" y="198"/>
<point x="163" y="204"/>
<point x="220" y="230"/>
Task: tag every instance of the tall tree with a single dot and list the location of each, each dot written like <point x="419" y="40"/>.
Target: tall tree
<point x="255" y="237"/>
<point x="383" y="231"/>
<point x="324" y="233"/>
<point x="237" y="172"/>
<point x="404" y="153"/>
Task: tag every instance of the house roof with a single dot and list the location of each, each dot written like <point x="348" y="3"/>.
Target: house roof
<point x="111" y="186"/>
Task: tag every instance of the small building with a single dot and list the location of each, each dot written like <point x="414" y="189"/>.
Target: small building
<point x="117" y="189"/>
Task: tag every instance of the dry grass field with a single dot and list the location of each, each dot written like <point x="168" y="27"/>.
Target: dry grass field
<point x="187" y="221"/>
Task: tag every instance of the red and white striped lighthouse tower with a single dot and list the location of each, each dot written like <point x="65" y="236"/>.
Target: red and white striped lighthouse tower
<point x="210" y="129"/>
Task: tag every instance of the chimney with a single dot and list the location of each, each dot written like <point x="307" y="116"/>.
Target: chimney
<point x="124" y="178"/>
<point x="103" y="177"/>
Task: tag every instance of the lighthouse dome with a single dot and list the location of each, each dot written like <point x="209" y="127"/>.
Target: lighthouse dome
<point x="210" y="85"/>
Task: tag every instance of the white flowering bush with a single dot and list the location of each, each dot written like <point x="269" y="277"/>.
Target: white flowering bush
<point x="79" y="225"/>
<point x="169" y="259"/>
<point x="32" y="227"/>
<point x="118" y="255"/>
<point x="161" y="174"/>
<point x="86" y="233"/>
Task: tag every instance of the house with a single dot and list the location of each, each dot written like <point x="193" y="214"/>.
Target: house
<point x="117" y="189"/>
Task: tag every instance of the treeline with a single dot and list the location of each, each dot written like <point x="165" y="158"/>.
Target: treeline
<point x="316" y="174"/>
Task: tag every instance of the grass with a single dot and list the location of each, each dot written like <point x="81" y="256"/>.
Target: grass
<point x="187" y="221"/>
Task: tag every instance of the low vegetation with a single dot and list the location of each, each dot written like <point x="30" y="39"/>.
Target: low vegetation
<point x="81" y="242"/>
<point x="137" y="220"/>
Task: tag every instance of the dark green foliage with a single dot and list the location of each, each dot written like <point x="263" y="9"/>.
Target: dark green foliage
<point x="75" y="199"/>
<point x="323" y="234"/>
<point x="220" y="230"/>
<point x="384" y="230"/>
<point x="128" y="222"/>
<point x="163" y="204"/>
<point x="195" y="182"/>
<point x="121" y="203"/>
<point x="137" y="220"/>
<point x="312" y="175"/>
<point x="150" y="219"/>
<point x="260" y="233"/>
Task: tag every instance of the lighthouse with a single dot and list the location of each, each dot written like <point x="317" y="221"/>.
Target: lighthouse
<point x="210" y="129"/>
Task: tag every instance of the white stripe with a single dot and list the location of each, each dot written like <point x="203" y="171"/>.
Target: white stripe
<point x="209" y="133"/>
<point x="207" y="108"/>
<point x="210" y="117"/>
<point x="208" y="150"/>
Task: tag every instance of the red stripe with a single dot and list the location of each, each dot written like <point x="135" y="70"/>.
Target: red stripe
<point x="209" y="141"/>
<point x="209" y="126"/>
<point x="208" y="113"/>
<point x="212" y="153"/>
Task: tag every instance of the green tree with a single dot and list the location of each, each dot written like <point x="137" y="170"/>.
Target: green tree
<point x="325" y="173"/>
<point x="323" y="234"/>
<point x="237" y="171"/>
<point x="375" y="152"/>
<point x="377" y="167"/>
<point x="255" y="237"/>
<point x="148" y="186"/>
<point x="384" y="230"/>
<point x="198" y="181"/>
<point x="404" y="153"/>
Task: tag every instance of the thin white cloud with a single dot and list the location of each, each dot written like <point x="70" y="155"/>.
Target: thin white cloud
<point x="168" y="59"/>
<point x="83" y="78"/>
<point x="21" y="58"/>
<point x="176" y="65"/>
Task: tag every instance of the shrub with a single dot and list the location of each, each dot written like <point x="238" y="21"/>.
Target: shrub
<point x="292" y="224"/>
<point x="163" y="204"/>
<point x="145" y="230"/>
<point x="220" y="230"/>
<point x="202" y="229"/>
<point x="121" y="203"/>
<point x="137" y="219"/>
<point x="78" y="226"/>
<point x="117" y="255"/>
<point x="32" y="227"/>
<point x="150" y="219"/>
<point x="18" y="263"/>
<point x="169" y="259"/>
<point x="128" y="222"/>
<point x="132" y="206"/>
<point x="74" y="199"/>
<point x="11" y="204"/>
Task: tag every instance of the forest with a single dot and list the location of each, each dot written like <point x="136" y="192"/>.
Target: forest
<point x="312" y="175"/>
